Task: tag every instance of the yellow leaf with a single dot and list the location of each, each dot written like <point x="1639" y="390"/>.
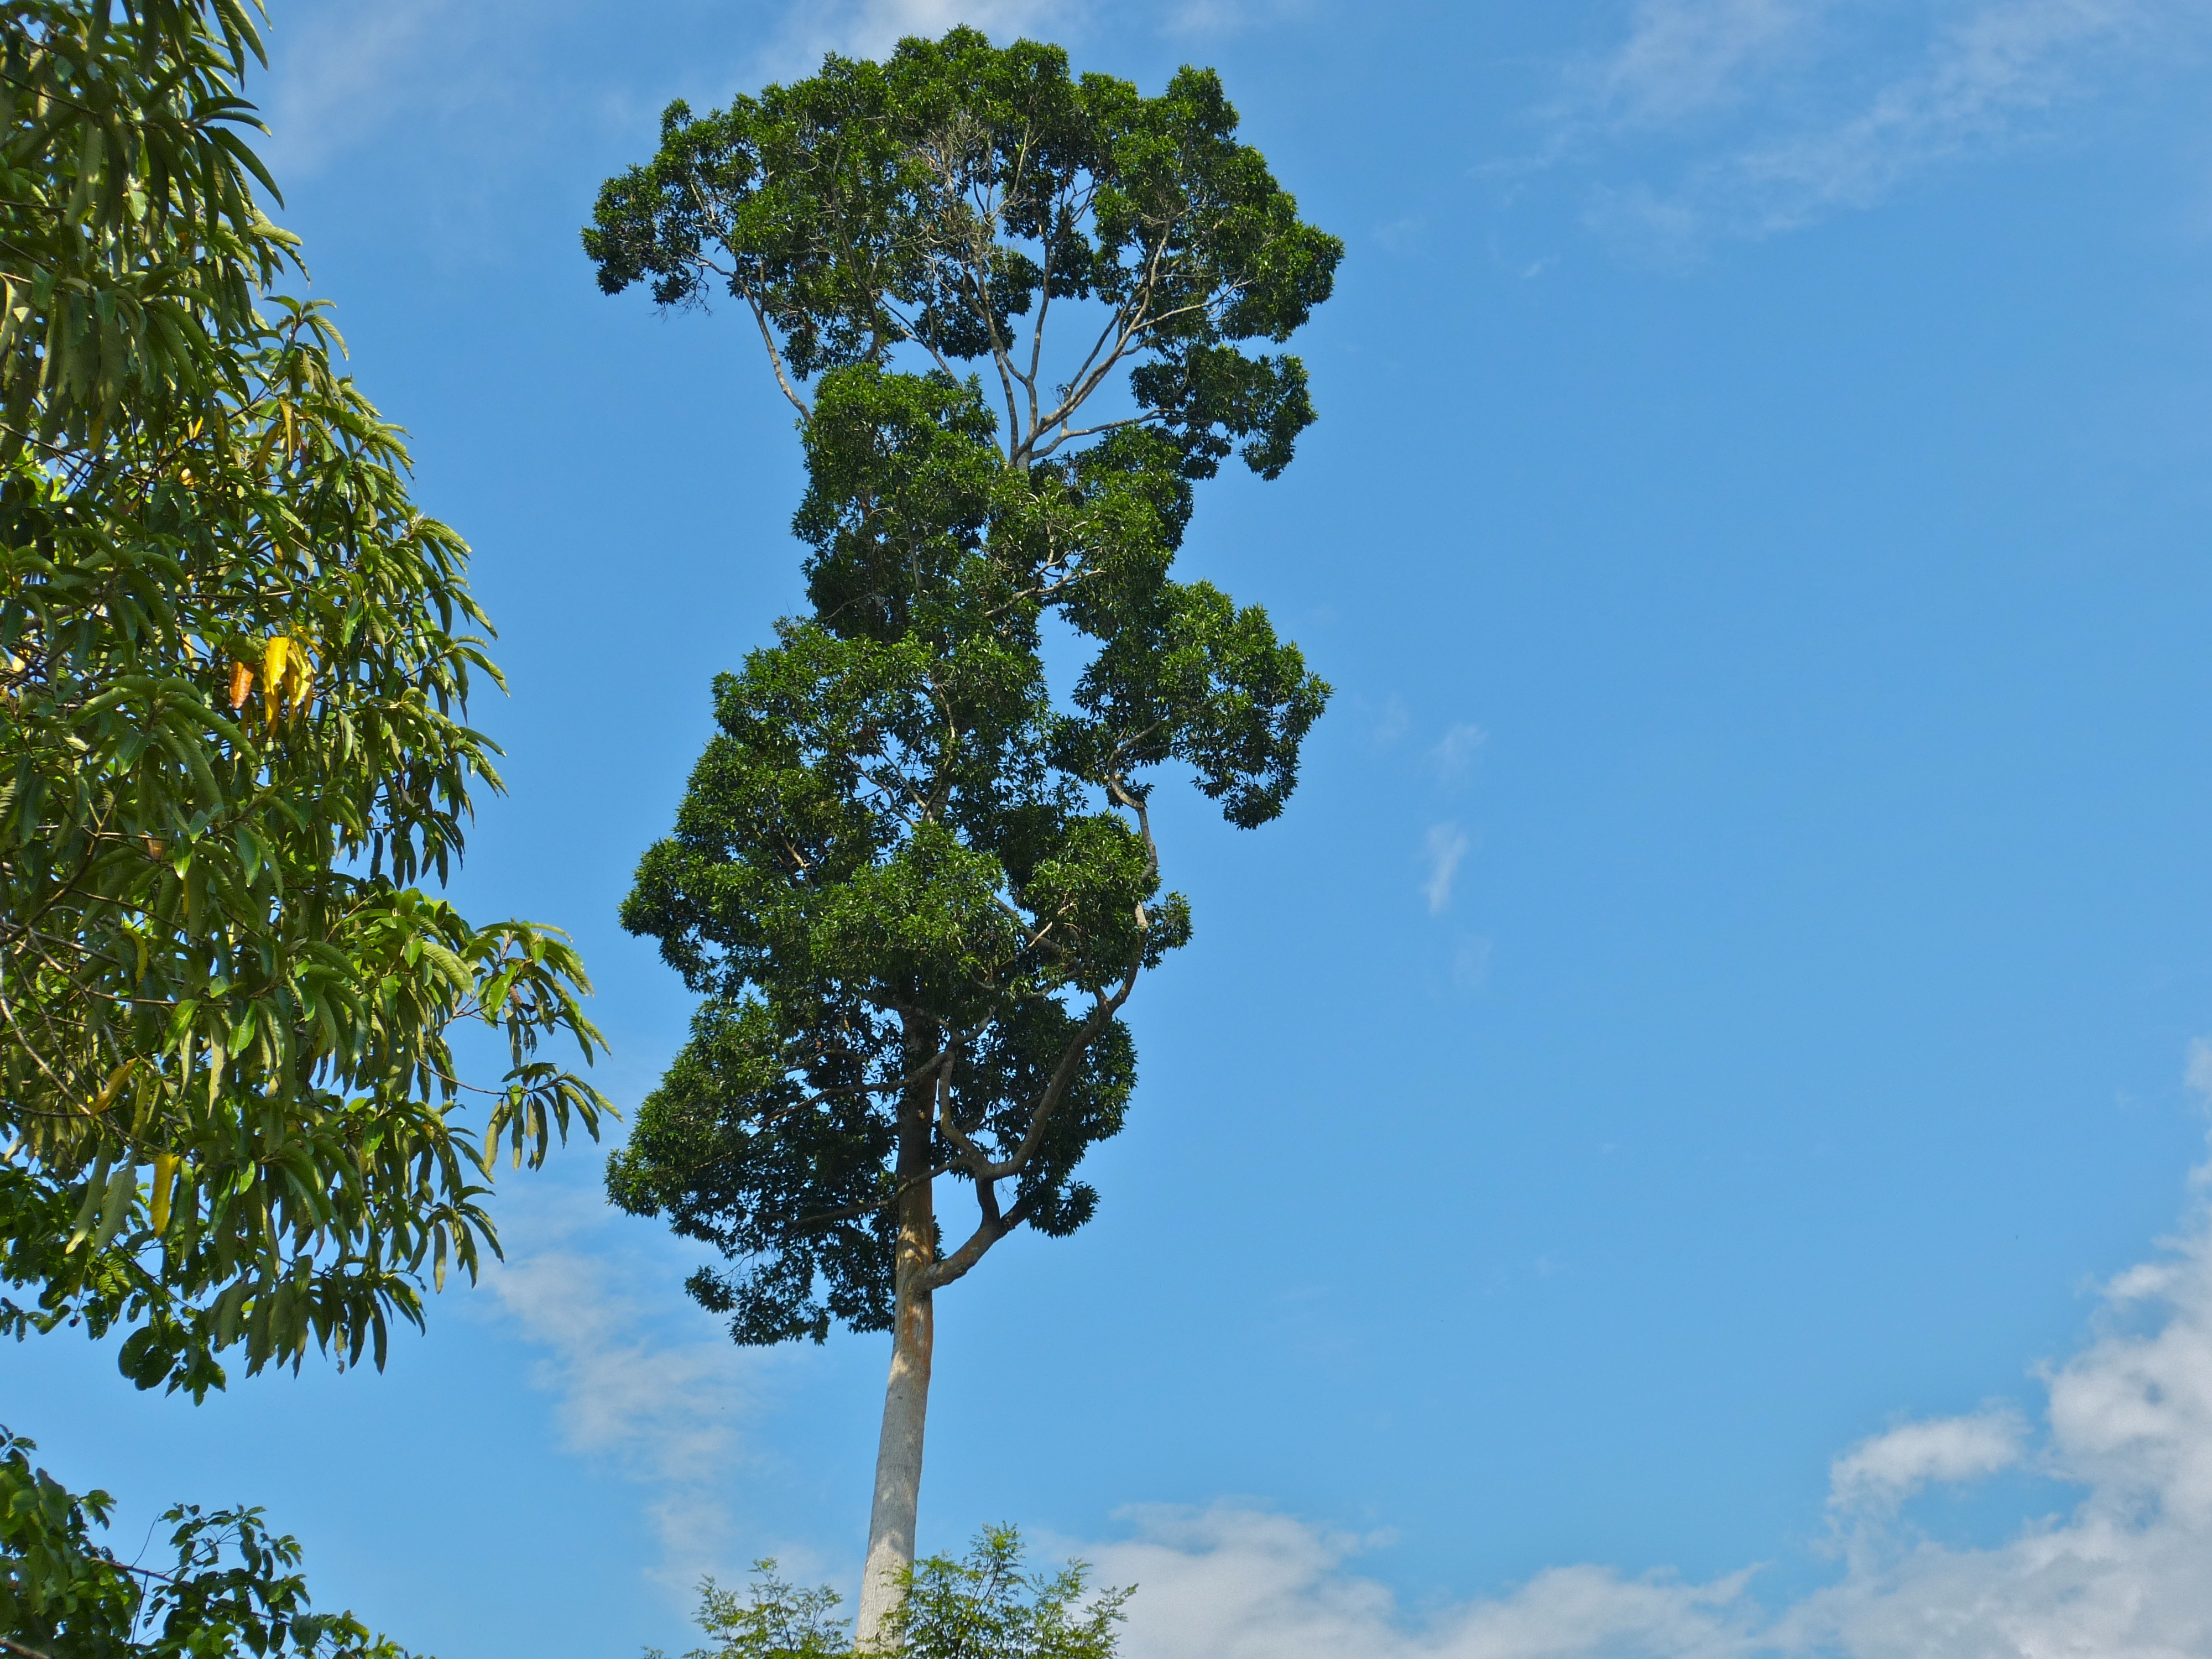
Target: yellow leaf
<point x="288" y="677"/>
<point x="274" y="660"/>
<point x="164" y="1172"/>
<point x="106" y="1096"/>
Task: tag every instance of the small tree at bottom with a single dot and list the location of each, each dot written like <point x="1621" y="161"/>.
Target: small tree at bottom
<point x="982" y="1606"/>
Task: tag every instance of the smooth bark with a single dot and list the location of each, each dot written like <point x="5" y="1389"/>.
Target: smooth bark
<point x="906" y="1396"/>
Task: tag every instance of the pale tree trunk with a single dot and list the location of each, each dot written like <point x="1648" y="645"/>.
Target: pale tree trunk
<point x="906" y="1397"/>
<point x="898" y="1469"/>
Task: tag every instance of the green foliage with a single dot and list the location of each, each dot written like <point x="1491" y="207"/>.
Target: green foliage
<point x="772" y="1620"/>
<point x="938" y="196"/>
<point x="134" y="247"/>
<point x="914" y="889"/>
<point x="984" y="1606"/>
<point x="981" y="1606"/>
<point x="235" y="657"/>
<point x="233" y="1590"/>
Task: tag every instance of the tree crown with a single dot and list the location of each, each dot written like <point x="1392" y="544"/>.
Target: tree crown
<point x="950" y="196"/>
<point x="914" y="889"/>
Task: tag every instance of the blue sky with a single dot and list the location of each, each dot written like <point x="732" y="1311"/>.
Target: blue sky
<point x="1680" y="1141"/>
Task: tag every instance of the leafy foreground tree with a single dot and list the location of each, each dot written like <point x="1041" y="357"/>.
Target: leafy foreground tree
<point x="233" y="1589"/>
<point x="914" y="890"/>
<point x="235" y="657"/>
<point x="981" y="1607"/>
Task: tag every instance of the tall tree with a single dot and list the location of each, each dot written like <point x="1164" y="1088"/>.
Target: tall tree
<point x="916" y="891"/>
<point x="235" y="657"/>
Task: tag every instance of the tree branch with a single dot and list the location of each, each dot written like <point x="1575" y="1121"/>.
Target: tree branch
<point x="775" y="356"/>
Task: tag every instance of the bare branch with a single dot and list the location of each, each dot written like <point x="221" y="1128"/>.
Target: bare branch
<point x="1065" y="436"/>
<point x="775" y="356"/>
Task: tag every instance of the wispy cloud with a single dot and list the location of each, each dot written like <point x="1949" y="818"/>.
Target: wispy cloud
<point x="2198" y="1073"/>
<point x="1752" y="117"/>
<point x="641" y="1379"/>
<point x="1404" y="235"/>
<point x="868" y="28"/>
<point x="1883" y="1470"/>
<point x="1393" y="720"/>
<point x="1681" y="59"/>
<point x="1456" y="751"/>
<point x="345" y="75"/>
<point x="342" y="75"/>
<point x="1447" y="845"/>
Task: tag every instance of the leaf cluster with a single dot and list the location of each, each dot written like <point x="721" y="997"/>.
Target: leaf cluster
<point x="132" y="246"/>
<point x="233" y="1588"/>
<point x="236" y="658"/>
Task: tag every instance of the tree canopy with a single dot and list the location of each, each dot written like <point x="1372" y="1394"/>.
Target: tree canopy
<point x="914" y="890"/>
<point x="236" y="658"/>
<point x="935" y="198"/>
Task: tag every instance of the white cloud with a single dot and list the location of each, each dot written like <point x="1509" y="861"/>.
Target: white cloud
<point x="1447" y="845"/>
<point x="1884" y="1469"/>
<point x="1228" y="1583"/>
<point x="1791" y="109"/>
<point x="2120" y="1575"/>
